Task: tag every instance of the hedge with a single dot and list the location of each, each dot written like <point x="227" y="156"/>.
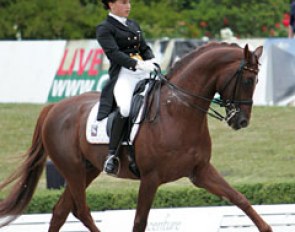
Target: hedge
<point x="77" y="19"/>
<point x="257" y="194"/>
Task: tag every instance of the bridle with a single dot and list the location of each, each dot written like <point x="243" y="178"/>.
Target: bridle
<point x="232" y="105"/>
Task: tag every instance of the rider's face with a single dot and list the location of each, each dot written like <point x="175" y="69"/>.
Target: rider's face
<point x="120" y="8"/>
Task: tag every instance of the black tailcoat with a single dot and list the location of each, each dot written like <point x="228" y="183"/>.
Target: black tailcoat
<point x="119" y="42"/>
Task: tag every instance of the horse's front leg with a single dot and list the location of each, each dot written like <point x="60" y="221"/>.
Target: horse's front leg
<point x="207" y="177"/>
<point x="147" y="191"/>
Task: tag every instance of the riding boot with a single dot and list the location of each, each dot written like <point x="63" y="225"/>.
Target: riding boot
<point x="111" y="165"/>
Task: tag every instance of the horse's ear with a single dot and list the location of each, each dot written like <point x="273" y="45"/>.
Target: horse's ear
<point x="247" y="53"/>
<point x="258" y="52"/>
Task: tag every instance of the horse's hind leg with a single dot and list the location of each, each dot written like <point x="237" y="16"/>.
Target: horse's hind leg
<point x="208" y="178"/>
<point x="66" y="204"/>
<point x="61" y="211"/>
<point x="81" y="210"/>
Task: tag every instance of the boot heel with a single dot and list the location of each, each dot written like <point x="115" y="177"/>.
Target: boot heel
<point x="111" y="165"/>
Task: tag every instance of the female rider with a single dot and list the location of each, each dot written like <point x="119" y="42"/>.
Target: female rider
<point x="131" y="60"/>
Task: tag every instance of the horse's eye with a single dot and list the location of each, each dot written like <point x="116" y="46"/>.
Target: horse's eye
<point x="248" y="82"/>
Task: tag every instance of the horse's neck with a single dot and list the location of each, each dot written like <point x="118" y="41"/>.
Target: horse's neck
<point x="197" y="80"/>
<point x="199" y="73"/>
<point x="184" y="109"/>
<point x="197" y="77"/>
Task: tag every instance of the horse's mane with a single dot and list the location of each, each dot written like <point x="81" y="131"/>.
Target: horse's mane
<point x="198" y="51"/>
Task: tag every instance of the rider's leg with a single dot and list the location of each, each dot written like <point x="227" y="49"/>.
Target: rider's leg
<point x="123" y="93"/>
<point x="117" y="132"/>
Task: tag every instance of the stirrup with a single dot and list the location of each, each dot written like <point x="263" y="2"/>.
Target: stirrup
<point x="116" y="163"/>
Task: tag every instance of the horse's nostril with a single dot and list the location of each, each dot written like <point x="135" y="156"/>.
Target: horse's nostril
<point x="244" y="123"/>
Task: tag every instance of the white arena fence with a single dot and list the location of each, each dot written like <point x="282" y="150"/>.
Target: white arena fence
<point x="198" y="219"/>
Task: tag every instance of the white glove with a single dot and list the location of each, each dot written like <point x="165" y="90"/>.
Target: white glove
<point x="147" y="65"/>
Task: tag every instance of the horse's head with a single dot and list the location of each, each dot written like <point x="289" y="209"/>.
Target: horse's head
<point x="234" y="72"/>
<point x="237" y="90"/>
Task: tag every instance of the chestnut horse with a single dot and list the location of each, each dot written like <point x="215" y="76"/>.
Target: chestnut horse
<point x="176" y="144"/>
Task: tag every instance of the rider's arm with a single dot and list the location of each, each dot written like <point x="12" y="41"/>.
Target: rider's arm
<point x="107" y="41"/>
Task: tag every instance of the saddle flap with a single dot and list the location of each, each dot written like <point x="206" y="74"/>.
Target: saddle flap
<point x="96" y="131"/>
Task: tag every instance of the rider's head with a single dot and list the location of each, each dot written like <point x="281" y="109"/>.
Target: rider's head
<point x="118" y="7"/>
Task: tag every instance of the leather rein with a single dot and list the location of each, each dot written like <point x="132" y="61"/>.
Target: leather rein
<point x="231" y="105"/>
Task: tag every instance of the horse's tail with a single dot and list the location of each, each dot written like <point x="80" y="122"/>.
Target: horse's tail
<point x="26" y="177"/>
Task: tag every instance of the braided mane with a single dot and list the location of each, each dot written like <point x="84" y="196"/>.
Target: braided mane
<point x="198" y="51"/>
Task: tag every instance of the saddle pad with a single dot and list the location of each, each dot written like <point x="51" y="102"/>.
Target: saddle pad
<point x="96" y="132"/>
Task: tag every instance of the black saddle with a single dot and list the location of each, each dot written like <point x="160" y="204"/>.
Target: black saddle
<point x="138" y="100"/>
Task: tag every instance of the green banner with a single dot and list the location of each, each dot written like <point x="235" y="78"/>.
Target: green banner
<point x="81" y="70"/>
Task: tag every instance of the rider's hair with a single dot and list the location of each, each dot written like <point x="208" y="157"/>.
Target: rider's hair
<point x="106" y="3"/>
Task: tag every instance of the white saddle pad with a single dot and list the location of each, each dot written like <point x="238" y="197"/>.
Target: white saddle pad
<point x="96" y="132"/>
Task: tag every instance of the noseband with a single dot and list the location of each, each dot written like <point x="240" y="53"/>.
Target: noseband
<point x="231" y="105"/>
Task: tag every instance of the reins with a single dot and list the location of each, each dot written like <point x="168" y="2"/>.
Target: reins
<point x="229" y="104"/>
<point x="211" y="112"/>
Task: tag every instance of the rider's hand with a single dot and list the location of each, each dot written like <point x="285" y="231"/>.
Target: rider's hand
<point x="146" y="65"/>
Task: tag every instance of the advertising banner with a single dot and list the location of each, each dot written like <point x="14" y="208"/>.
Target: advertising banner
<point x="27" y="69"/>
<point x="83" y="68"/>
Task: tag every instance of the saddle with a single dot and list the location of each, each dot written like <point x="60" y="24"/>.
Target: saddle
<point x="145" y="92"/>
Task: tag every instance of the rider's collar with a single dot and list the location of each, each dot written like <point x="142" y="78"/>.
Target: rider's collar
<point x="119" y="18"/>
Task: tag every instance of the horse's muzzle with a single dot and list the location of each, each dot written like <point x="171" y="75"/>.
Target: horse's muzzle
<point x="242" y="123"/>
<point x="238" y="121"/>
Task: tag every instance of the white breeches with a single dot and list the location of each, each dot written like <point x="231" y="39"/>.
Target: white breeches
<point x="125" y="86"/>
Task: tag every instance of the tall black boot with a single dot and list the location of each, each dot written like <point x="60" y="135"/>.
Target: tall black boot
<point x="111" y="165"/>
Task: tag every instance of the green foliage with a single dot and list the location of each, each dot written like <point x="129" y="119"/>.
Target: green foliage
<point x="257" y="194"/>
<point x="76" y="19"/>
<point x="50" y="19"/>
